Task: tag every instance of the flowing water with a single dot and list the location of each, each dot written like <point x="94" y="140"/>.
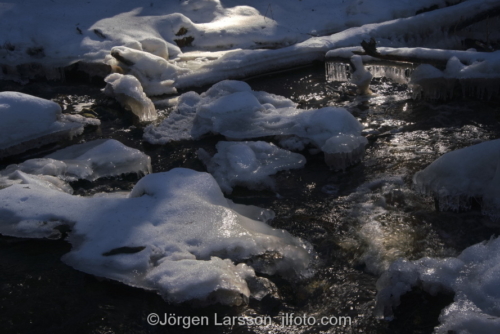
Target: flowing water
<point x="358" y="220"/>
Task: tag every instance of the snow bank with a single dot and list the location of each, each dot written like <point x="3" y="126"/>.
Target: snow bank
<point x="175" y="233"/>
<point x="29" y="122"/>
<point x="420" y="30"/>
<point x="89" y="161"/>
<point x="232" y="109"/>
<point x="458" y="176"/>
<point x="54" y="33"/>
<point x="474" y="277"/>
<point x="128" y="91"/>
<point x="249" y="164"/>
<point x="55" y="36"/>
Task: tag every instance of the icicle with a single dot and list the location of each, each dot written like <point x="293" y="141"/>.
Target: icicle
<point x="336" y="71"/>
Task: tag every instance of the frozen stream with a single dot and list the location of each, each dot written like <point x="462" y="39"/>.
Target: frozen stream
<point x="358" y="221"/>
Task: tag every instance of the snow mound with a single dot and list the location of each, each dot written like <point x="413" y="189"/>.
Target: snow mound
<point x="128" y="91"/>
<point x="29" y="122"/>
<point x="155" y="73"/>
<point x="89" y="161"/>
<point x="249" y="164"/>
<point x="232" y="109"/>
<point x="458" y="176"/>
<point x="176" y="233"/>
<point x="474" y="277"/>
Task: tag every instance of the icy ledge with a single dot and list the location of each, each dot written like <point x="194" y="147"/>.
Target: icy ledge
<point x="232" y="109"/>
<point x="175" y="234"/>
<point x="29" y="122"/>
<point x="249" y="164"/>
<point x="458" y="176"/>
<point x="474" y="277"/>
<point x="89" y="161"/>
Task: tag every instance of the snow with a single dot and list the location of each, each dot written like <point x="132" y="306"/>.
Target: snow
<point x="29" y="121"/>
<point x="478" y="79"/>
<point x="226" y="33"/>
<point x="232" y="109"/>
<point x="458" y="176"/>
<point x="175" y="233"/>
<point x="473" y="276"/>
<point x="154" y="72"/>
<point x="360" y="76"/>
<point x="88" y="161"/>
<point x="249" y="164"/>
<point x="128" y="91"/>
<point x="213" y="24"/>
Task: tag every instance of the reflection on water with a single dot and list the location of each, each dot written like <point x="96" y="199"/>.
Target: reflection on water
<point x="358" y="221"/>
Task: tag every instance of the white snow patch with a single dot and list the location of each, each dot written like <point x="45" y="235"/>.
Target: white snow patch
<point x="176" y="234"/>
<point x="89" y="161"/>
<point x="232" y="109"/>
<point x="249" y="164"/>
<point x="29" y="121"/>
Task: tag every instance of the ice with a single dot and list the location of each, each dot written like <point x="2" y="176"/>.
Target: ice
<point x="338" y="71"/>
<point x="89" y="161"/>
<point x="175" y="234"/>
<point x="479" y="79"/>
<point x="473" y="276"/>
<point x="343" y="151"/>
<point x="459" y="176"/>
<point x="249" y="164"/>
<point x="128" y="91"/>
<point x="360" y="76"/>
<point x="232" y="109"/>
<point x="155" y="73"/>
<point x="29" y="122"/>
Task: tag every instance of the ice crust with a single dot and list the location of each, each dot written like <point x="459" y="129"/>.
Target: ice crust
<point x="478" y="78"/>
<point x="29" y="121"/>
<point x="232" y="109"/>
<point x="458" y="176"/>
<point x="249" y="164"/>
<point x="88" y="161"/>
<point x="175" y="233"/>
<point x="128" y="91"/>
<point x="474" y="277"/>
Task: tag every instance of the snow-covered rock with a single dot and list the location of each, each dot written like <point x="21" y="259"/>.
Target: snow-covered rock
<point x="89" y="161"/>
<point x="128" y="91"/>
<point x="176" y="233"/>
<point x="155" y="73"/>
<point x="249" y="164"/>
<point x="232" y="109"/>
<point x="360" y="76"/>
<point x="458" y="176"/>
<point x="29" y="122"/>
<point x="473" y="276"/>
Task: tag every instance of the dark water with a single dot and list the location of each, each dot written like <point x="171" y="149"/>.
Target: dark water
<point x="358" y="220"/>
